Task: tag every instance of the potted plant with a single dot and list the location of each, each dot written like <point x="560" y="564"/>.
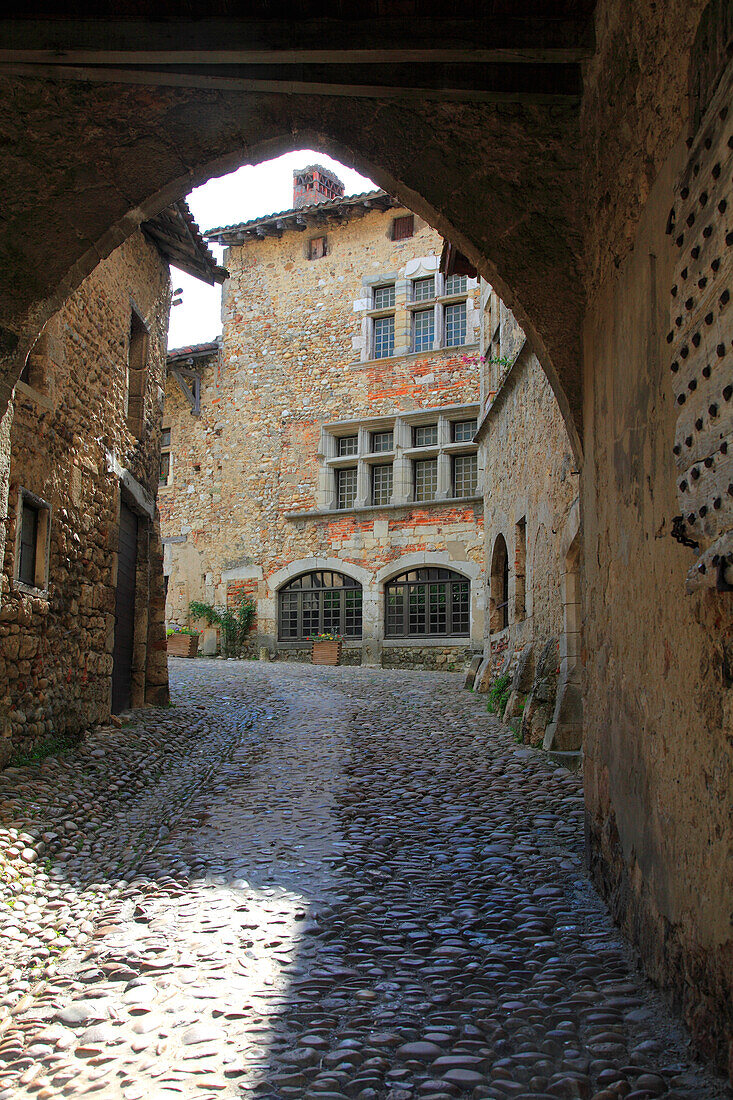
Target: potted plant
<point x="182" y="641"/>
<point x="326" y="649"/>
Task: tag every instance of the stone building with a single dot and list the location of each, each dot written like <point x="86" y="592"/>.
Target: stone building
<point x="322" y="458"/>
<point x="81" y="624"/>
<point x="533" y="537"/>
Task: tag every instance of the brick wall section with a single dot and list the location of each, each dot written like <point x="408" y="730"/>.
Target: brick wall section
<point x="291" y="361"/>
<point x="56" y="649"/>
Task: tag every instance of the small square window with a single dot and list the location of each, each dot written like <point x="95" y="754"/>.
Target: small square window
<point x="403" y="227"/>
<point x="348" y="445"/>
<point x="382" y="441"/>
<point x="346" y="487"/>
<point x="423" y="289"/>
<point x="426" y="479"/>
<point x="456" y="284"/>
<point x="464" y="430"/>
<point x="381" y="484"/>
<point x="384" y="296"/>
<point x="423" y="330"/>
<point x="465" y="475"/>
<point x="316" y="248"/>
<point x="383" y="337"/>
<point x="425" y="436"/>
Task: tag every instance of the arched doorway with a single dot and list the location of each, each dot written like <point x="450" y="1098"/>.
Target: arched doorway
<point x="499" y="587"/>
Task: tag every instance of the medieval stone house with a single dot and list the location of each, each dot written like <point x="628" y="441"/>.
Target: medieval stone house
<point x="533" y="537"/>
<point x="323" y="458"/>
<point x="81" y="625"/>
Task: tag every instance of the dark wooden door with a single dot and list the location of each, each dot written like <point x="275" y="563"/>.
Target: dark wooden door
<point x="124" y="611"/>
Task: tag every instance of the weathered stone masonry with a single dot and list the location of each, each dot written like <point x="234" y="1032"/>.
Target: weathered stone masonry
<point x="251" y="499"/>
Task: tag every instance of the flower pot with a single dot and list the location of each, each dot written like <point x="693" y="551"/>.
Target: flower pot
<point x="182" y="645"/>
<point x="326" y="653"/>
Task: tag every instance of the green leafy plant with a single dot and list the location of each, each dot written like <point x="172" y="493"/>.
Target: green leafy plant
<point x="499" y="694"/>
<point x="234" y="623"/>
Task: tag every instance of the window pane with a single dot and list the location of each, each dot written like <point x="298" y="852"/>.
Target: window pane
<point x="426" y="479"/>
<point x="165" y="467"/>
<point x="437" y="608"/>
<point x="456" y="284"/>
<point x="460" y="592"/>
<point x="425" y="436"/>
<point x="464" y="430"/>
<point x="384" y="296"/>
<point x="455" y="324"/>
<point x="382" y="441"/>
<point x="383" y="337"/>
<point x="396" y="609"/>
<point x="423" y="330"/>
<point x="346" y="487"/>
<point x="381" y="484"/>
<point x="165" y="437"/>
<point x="348" y="445"/>
<point x="28" y="542"/>
<point x="465" y="475"/>
<point x="352" y="612"/>
<point x="289" y="615"/>
<point x="423" y="289"/>
<point x="416" y="613"/>
<point x="331" y="611"/>
<point x="311" y="603"/>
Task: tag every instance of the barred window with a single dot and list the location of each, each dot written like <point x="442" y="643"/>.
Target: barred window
<point x="465" y="475"/>
<point x="348" y="445"/>
<point x="319" y="603"/>
<point x="423" y="289"/>
<point x="382" y="441"/>
<point x="381" y="484"/>
<point x="456" y="284"/>
<point x="383" y="337"/>
<point x="346" y="487"/>
<point x="426" y="479"/>
<point x="423" y="330"/>
<point x="384" y="297"/>
<point x="428" y="602"/>
<point x="455" y="324"/>
<point x="425" y="436"/>
<point x="464" y="430"/>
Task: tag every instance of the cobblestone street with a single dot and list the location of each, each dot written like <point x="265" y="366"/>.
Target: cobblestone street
<point x="315" y="882"/>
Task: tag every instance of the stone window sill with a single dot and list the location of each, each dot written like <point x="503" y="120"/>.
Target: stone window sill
<point x="415" y="356"/>
<point x="459" y="641"/>
<point x="31" y="590"/>
<point x="409" y="506"/>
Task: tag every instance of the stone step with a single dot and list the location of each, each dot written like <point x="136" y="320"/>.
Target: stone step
<point x="573" y="761"/>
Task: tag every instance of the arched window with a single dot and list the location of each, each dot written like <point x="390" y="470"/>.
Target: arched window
<point x="428" y="602"/>
<point x="319" y="603"/>
<point x="499" y="606"/>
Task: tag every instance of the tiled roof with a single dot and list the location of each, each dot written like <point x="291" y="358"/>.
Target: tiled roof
<point x="194" y="350"/>
<point x="314" y="210"/>
<point x="180" y="241"/>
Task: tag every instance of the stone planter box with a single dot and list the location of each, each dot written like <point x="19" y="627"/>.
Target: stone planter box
<point x="182" y="645"/>
<point x="326" y="653"/>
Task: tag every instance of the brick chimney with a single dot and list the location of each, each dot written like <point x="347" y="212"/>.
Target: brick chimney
<point x="315" y="184"/>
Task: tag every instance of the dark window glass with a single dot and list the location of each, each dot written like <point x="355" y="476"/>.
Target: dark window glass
<point x="28" y="544"/>
<point x="382" y="441"/>
<point x="425" y="436"/>
<point x="319" y="603"/>
<point x="426" y="479"/>
<point x="464" y="430"/>
<point x="384" y="296"/>
<point x="381" y="484"/>
<point x="423" y="289"/>
<point x="165" y="437"/>
<point x="348" y="445"/>
<point x="165" y="467"/>
<point x="403" y="227"/>
<point x="423" y="329"/>
<point x="346" y="487"/>
<point x="465" y="475"/>
<point x="383" y="337"/>
<point x="429" y="602"/>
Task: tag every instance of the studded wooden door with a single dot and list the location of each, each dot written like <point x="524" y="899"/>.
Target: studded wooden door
<point x="124" y="611"/>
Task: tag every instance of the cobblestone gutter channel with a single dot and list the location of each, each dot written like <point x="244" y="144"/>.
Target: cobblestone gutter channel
<point x="324" y="884"/>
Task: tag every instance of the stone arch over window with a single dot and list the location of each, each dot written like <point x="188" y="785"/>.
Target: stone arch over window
<point x="499" y="598"/>
<point x="320" y="601"/>
<point x="427" y="601"/>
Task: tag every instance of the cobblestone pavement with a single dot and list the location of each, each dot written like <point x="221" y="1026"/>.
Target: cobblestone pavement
<point x="314" y="882"/>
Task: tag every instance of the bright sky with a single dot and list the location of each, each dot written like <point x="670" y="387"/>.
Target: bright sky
<point x="251" y="192"/>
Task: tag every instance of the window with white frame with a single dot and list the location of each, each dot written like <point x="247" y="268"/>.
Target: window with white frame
<point x="348" y="445"/>
<point x="382" y="441"/>
<point x="465" y="475"/>
<point x="464" y="430"/>
<point x="425" y="435"/>
<point x="455" y="324"/>
<point x="426" y="478"/>
<point x="384" y="337"/>
<point x="382" y="484"/>
<point x="423" y="289"/>
<point x="423" y="330"/>
<point x="346" y="487"/>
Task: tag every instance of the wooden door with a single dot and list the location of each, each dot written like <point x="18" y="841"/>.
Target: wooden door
<point x="124" y="611"/>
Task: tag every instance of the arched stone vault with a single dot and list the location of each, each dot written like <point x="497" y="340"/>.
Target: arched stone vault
<point x="85" y="163"/>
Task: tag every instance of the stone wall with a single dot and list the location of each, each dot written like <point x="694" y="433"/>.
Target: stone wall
<point x="244" y="508"/>
<point x="531" y="486"/>
<point x="659" y="691"/>
<point x="71" y="447"/>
